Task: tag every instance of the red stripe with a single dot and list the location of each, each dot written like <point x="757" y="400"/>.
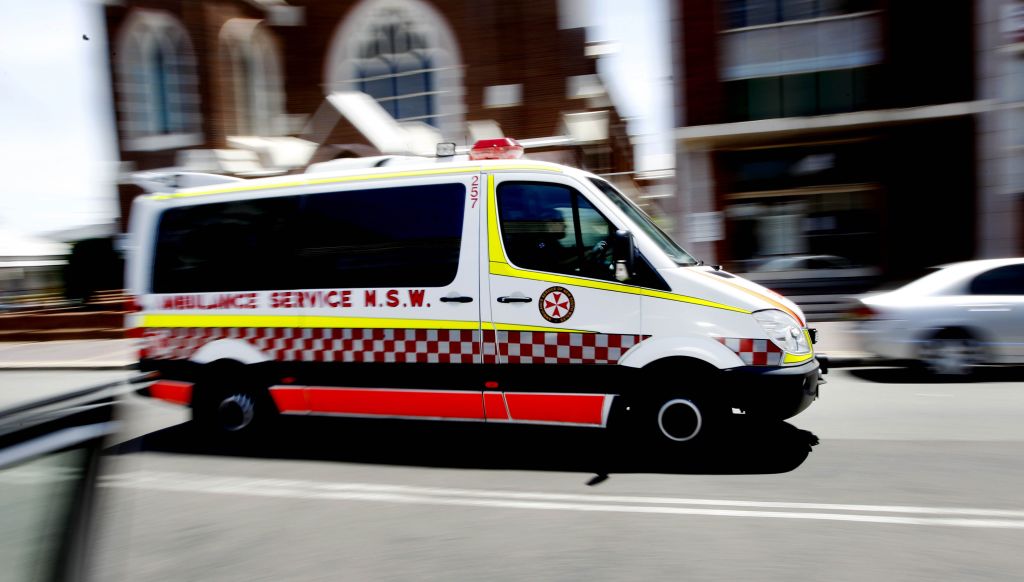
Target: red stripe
<point x="494" y="406"/>
<point x="408" y="403"/>
<point x="289" y="399"/>
<point x="567" y="408"/>
<point x="171" y="391"/>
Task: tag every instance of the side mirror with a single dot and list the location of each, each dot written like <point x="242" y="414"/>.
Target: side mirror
<point x="624" y="253"/>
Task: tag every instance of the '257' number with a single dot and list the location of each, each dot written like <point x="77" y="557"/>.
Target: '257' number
<point x="474" y="191"/>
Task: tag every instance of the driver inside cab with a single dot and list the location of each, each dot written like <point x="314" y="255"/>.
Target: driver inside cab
<point x="549" y="228"/>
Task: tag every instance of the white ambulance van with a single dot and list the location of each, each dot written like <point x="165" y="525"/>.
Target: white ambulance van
<point x="486" y="289"/>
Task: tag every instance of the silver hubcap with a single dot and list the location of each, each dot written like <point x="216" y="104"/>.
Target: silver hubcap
<point x="679" y="420"/>
<point x="951" y="356"/>
<point x="236" y="412"/>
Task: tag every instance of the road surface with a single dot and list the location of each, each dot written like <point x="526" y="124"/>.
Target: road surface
<point x="886" y="477"/>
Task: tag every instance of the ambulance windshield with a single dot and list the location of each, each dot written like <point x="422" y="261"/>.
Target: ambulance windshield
<point x="644" y="223"/>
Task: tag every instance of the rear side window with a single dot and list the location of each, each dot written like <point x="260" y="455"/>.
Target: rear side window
<point x="231" y="246"/>
<point x="388" y="237"/>
<point x="1008" y="280"/>
<point x="391" y="237"/>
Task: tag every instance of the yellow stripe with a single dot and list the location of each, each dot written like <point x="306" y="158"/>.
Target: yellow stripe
<point x="322" y="322"/>
<point x="757" y="294"/>
<point x="342" y="179"/>
<point x="514" y="327"/>
<point x="300" y="322"/>
<point x="506" y="270"/>
<point x="500" y="266"/>
<point x="494" y="250"/>
<point x="793" y="359"/>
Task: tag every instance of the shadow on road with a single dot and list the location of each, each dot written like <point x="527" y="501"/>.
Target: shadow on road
<point x="916" y="375"/>
<point x="743" y="447"/>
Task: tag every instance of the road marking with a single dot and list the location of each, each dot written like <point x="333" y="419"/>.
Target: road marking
<point x="405" y="494"/>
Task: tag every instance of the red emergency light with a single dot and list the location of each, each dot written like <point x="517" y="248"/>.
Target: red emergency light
<point x="504" y="148"/>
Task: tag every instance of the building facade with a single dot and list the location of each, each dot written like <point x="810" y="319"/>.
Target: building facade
<point x="255" y="87"/>
<point x="875" y="130"/>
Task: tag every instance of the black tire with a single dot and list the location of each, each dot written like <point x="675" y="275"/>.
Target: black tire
<point x="951" y="354"/>
<point x="232" y="405"/>
<point x="688" y="414"/>
<point x="682" y="420"/>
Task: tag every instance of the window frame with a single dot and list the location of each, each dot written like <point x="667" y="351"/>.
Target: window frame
<point x="646" y="275"/>
<point x="576" y="232"/>
<point x="299" y="273"/>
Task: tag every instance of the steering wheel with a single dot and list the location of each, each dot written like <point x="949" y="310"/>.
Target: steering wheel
<point x="597" y="258"/>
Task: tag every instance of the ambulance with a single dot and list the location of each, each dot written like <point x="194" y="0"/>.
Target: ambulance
<point x="484" y="288"/>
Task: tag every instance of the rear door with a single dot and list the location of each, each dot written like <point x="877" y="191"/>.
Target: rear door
<point x="558" y="318"/>
<point x="996" y="304"/>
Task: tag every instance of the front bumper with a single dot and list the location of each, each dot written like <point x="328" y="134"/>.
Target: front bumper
<point x="775" y="392"/>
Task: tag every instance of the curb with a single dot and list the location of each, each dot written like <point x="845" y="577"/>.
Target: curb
<point x="65" y="366"/>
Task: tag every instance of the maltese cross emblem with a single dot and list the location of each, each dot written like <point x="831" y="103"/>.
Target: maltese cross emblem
<point x="556" y="304"/>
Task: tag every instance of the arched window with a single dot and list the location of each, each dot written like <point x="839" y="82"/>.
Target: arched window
<point x="159" y="100"/>
<point x="394" y="67"/>
<point x="253" y="63"/>
<point x="404" y="55"/>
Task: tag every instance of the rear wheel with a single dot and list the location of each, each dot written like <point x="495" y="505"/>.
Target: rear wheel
<point x="951" y="353"/>
<point x="232" y="406"/>
<point x="236" y="412"/>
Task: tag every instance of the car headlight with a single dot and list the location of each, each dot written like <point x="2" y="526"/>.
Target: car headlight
<point x="783" y="330"/>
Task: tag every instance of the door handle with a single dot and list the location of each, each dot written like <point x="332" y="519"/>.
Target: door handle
<point x="458" y="299"/>
<point x="514" y="299"/>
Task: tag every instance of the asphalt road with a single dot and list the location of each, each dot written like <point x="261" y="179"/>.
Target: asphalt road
<point x="886" y="477"/>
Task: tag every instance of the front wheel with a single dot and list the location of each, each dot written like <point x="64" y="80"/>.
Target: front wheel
<point x="680" y="420"/>
<point x="951" y="354"/>
<point x="676" y="419"/>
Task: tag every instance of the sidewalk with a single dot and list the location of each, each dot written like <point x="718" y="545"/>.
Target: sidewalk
<point x="109" y="354"/>
<point x="835" y="340"/>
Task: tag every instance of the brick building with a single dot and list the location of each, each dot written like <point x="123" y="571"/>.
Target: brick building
<point x="242" y="86"/>
<point x="877" y="130"/>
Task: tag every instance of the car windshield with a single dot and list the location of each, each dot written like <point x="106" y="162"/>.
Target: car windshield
<point x="644" y="223"/>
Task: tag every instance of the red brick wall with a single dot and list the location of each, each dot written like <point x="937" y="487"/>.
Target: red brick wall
<point x="696" y="27"/>
<point x="501" y="43"/>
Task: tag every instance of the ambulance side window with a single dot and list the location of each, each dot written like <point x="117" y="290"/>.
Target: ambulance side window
<point x="552" y="228"/>
<point x="385" y="237"/>
<point x="230" y="246"/>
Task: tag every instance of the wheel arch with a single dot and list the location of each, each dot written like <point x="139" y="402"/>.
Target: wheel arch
<point x="229" y="349"/>
<point x="953" y="329"/>
<point x="706" y="350"/>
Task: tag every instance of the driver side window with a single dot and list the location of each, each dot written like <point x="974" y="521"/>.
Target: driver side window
<point x="552" y="228"/>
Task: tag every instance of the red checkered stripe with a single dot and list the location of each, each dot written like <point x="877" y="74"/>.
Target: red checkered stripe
<point x="398" y="345"/>
<point x="444" y="346"/>
<point x="754" y="352"/>
<point x="535" y="347"/>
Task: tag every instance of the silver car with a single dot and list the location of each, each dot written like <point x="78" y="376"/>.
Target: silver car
<point x="959" y="316"/>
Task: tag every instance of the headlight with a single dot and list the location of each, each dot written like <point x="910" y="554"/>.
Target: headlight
<point x="783" y="330"/>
